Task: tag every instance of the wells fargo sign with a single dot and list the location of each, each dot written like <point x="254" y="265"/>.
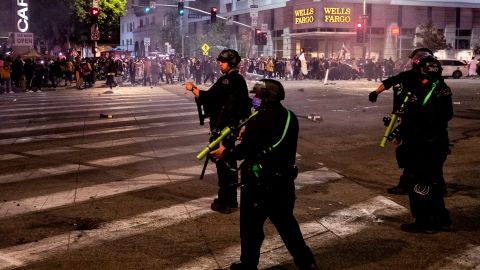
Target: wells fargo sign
<point x="337" y="15"/>
<point x="303" y="16"/>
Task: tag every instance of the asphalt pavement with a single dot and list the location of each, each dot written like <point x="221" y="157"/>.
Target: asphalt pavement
<point x="79" y="190"/>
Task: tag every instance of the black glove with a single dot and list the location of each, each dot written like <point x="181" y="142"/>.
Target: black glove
<point x="373" y="96"/>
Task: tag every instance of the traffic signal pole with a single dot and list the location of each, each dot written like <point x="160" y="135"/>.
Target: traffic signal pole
<point x="364" y="49"/>
<point x="199" y="11"/>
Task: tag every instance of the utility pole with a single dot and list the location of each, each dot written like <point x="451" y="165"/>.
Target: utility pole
<point x="365" y="16"/>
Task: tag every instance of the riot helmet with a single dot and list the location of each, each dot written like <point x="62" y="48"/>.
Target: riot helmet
<point x="416" y="54"/>
<point x="430" y="67"/>
<point x="270" y="91"/>
<point x="229" y="56"/>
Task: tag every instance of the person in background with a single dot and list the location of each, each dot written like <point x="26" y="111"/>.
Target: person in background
<point x="5" y="76"/>
<point x="472" y="68"/>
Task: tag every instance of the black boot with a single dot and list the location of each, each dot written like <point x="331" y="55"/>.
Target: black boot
<point x="241" y="266"/>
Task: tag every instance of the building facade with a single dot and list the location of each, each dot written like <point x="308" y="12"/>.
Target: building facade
<point x="327" y="28"/>
<point x="14" y="18"/>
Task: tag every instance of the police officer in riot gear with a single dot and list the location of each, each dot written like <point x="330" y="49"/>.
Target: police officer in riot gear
<point x="408" y="80"/>
<point x="226" y="103"/>
<point x="423" y="133"/>
<point x="268" y="147"/>
<point x="403" y="77"/>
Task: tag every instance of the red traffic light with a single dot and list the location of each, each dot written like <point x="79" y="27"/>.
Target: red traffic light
<point x="94" y="11"/>
<point x="213" y="14"/>
<point x="359" y="25"/>
<point x="395" y="30"/>
<point x="257" y="31"/>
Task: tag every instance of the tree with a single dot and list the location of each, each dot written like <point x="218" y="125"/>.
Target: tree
<point x="246" y="41"/>
<point x="57" y="24"/>
<point x="431" y="38"/>
<point x="109" y="19"/>
<point x="215" y="36"/>
<point x="170" y="31"/>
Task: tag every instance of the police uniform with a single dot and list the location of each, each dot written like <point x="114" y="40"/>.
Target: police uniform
<point x="423" y="133"/>
<point x="268" y="148"/>
<point x="226" y="103"/>
<point x="408" y="80"/>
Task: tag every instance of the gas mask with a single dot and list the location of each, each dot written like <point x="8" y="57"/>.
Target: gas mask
<point x="256" y="102"/>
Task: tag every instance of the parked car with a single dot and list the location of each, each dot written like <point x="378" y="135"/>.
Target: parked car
<point x="454" y="68"/>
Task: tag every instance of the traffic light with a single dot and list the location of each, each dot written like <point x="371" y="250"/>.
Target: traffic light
<point x="213" y="14"/>
<point x="260" y="38"/>
<point x="257" y="36"/>
<point x="146" y="10"/>
<point x="360" y="33"/>
<point x="181" y="9"/>
<point x="263" y="39"/>
<point x="95" y="50"/>
<point x="94" y="13"/>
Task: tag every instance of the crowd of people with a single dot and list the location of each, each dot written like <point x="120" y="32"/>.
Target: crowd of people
<point x="32" y="75"/>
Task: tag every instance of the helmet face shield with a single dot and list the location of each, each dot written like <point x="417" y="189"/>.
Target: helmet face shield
<point x="430" y="67"/>
<point x="419" y="56"/>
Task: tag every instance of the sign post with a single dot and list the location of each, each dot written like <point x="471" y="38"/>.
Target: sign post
<point x="94" y="32"/>
<point x="146" y="42"/>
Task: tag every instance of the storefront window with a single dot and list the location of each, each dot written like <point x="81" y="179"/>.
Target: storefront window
<point x="464" y="33"/>
<point x="277" y="33"/>
<point x="408" y="32"/>
<point x="377" y="30"/>
<point x="462" y="44"/>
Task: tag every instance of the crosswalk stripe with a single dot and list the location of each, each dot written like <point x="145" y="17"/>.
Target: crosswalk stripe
<point x="78" y="195"/>
<point x="22" y="255"/>
<point x="103" y="130"/>
<point x="90" y="121"/>
<point x="355" y="218"/>
<point x="89" y="102"/>
<point x="100" y="163"/>
<point x="95" y="108"/>
<point x="15" y="256"/>
<point x="27" y="205"/>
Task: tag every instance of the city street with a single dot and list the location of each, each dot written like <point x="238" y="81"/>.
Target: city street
<point x="80" y="191"/>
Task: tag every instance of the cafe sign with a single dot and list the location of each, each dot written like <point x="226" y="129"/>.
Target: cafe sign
<point x="337" y="15"/>
<point x="303" y="16"/>
<point x="22" y="9"/>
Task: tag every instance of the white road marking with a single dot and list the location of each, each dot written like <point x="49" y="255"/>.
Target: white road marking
<point x="68" y="197"/>
<point x="80" y="125"/>
<point x="86" y="165"/>
<point x="356" y="218"/>
<point x="22" y="255"/>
